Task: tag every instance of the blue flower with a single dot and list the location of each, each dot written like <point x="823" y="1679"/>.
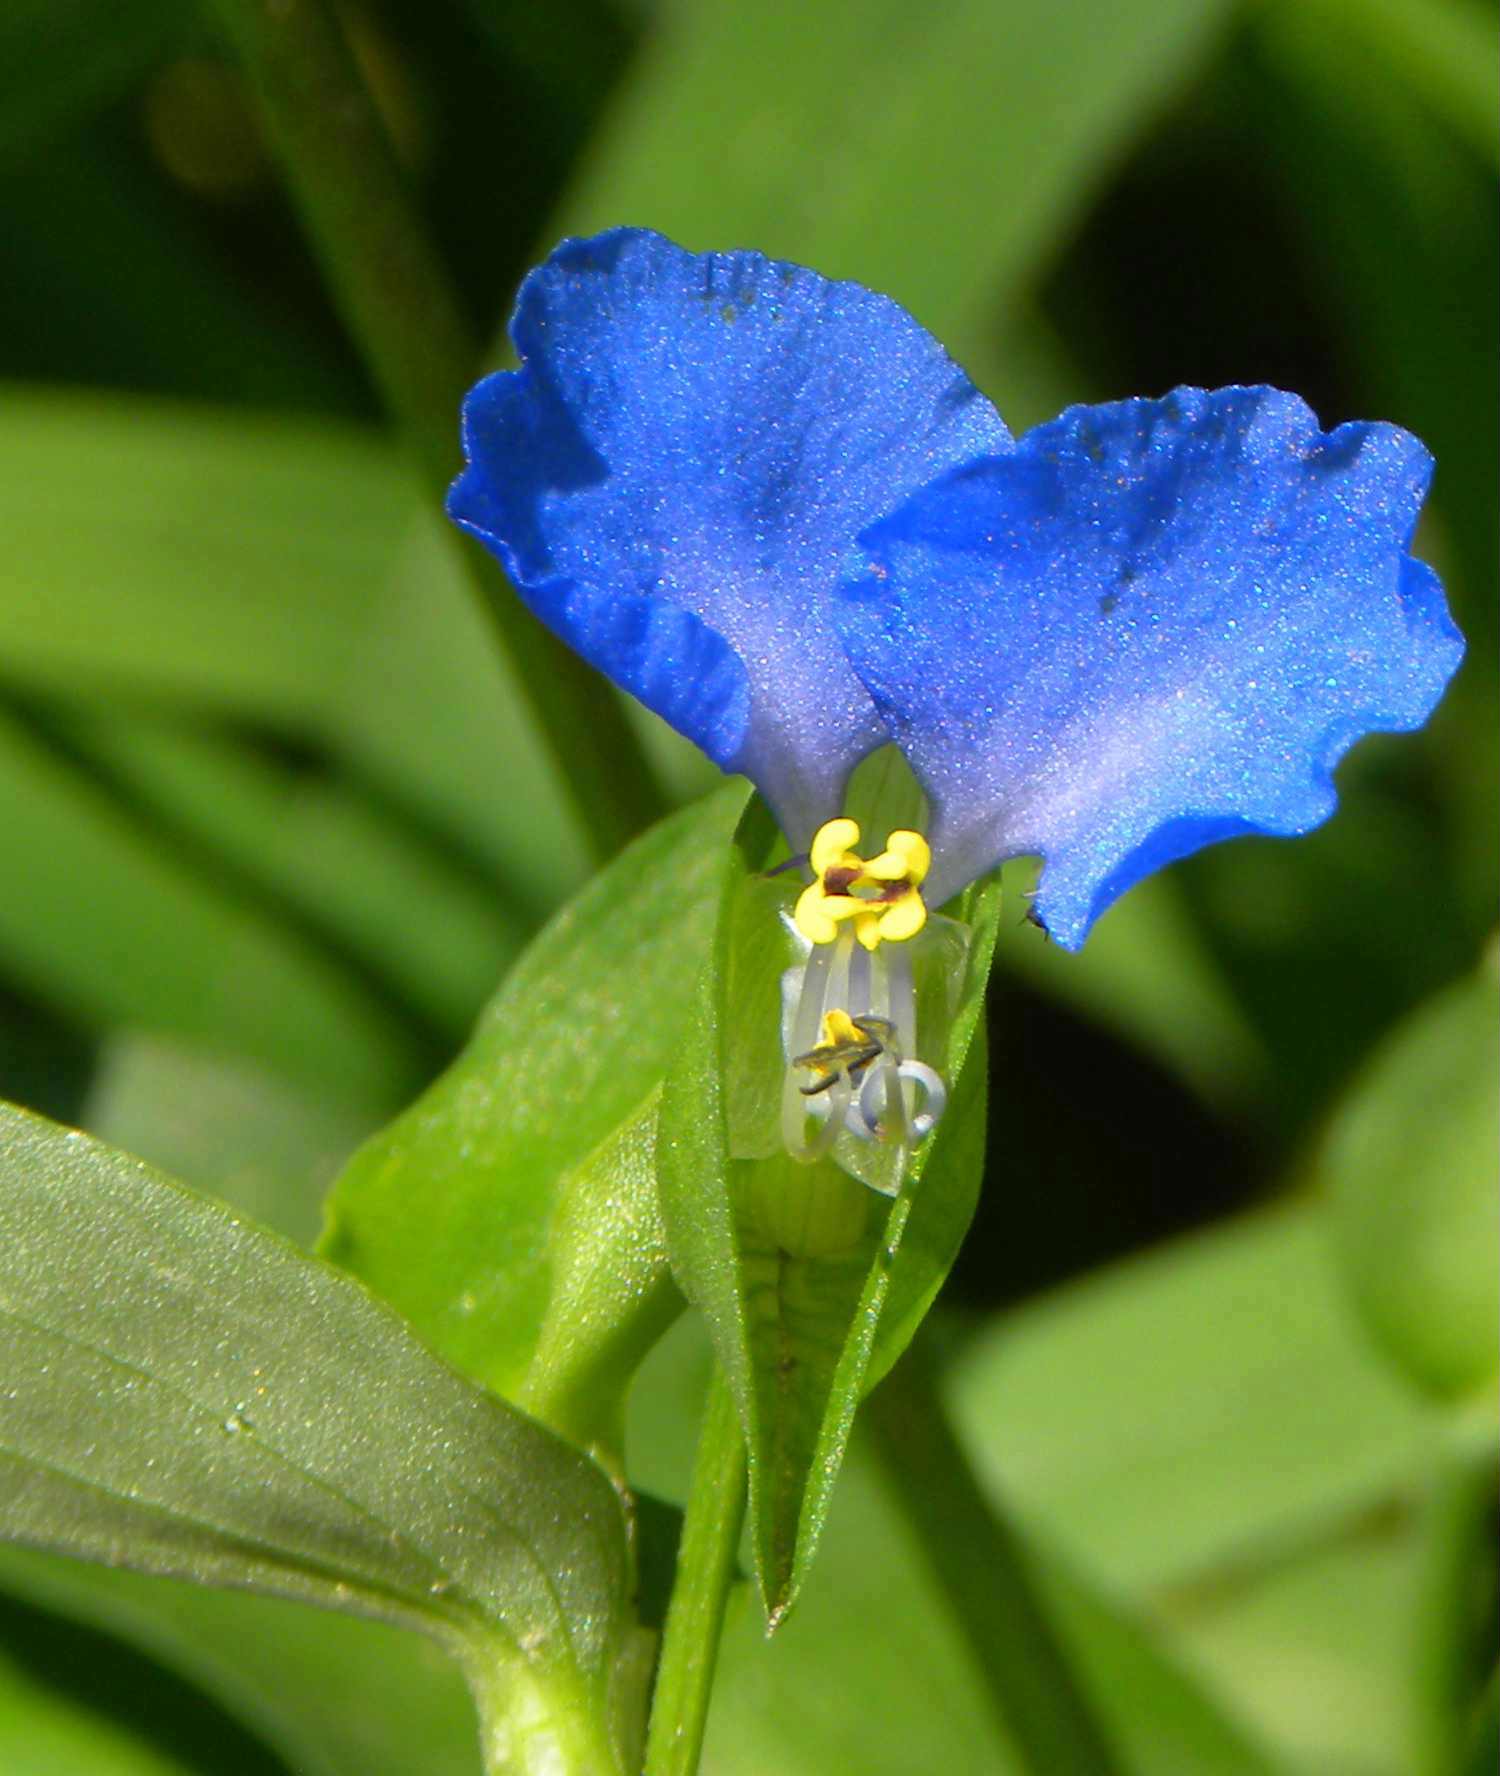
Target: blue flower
<point x="770" y="507"/>
<point x="677" y="476"/>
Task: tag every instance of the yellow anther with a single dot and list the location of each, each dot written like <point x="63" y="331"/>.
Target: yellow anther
<point x="833" y="847"/>
<point x="839" y="1030"/>
<point x="882" y="896"/>
<point x="907" y="858"/>
<point x="815" y="914"/>
<point x="902" y="919"/>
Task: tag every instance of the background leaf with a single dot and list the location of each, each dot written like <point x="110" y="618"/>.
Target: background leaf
<point x="328" y="1694"/>
<point x="334" y="861"/>
<point x="1438" y="52"/>
<point x="1409" y="1161"/>
<point x="234" y="1131"/>
<point x="1264" y="1431"/>
<point x="870" y="1671"/>
<point x="107" y="923"/>
<point x="1206" y="1431"/>
<point x="43" y="1734"/>
<point x="60" y="59"/>
<point x="206" y="555"/>
<point x="272" y="569"/>
<point x="74" y="1698"/>
<point x="812" y="171"/>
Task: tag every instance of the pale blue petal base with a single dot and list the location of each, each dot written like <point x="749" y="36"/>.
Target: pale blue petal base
<point x="1153" y="625"/>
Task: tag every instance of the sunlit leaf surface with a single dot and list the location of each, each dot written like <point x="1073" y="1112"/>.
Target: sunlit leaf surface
<point x="194" y="1397"/>
<point x="476" y="1212"/>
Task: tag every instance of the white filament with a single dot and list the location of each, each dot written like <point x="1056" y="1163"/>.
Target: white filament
<point x="899" y="1099"/>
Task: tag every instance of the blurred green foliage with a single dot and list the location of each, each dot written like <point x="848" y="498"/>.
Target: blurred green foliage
<point x="275" y="826"/>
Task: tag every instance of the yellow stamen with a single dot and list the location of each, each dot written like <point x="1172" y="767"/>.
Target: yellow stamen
<point x="907" y="858"/>
<point x="812" y="917"/>
<point x="903" y="918"/>
<point x="867" y="929"/>
<point x="882" y="896"/>
<point x="833" y="847"/>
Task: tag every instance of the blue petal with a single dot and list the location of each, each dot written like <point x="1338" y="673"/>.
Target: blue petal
<point x="676" y="477"/>
<point x="1154" y="625"/>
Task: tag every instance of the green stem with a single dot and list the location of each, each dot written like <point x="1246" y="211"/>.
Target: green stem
<point x="705" y="1568"/>
<point x="399" y="307"/>
<point x="986" y="1572"/>
<point x="533" y="1725"/>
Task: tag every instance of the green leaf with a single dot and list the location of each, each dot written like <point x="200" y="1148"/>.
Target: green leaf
<point x="1204" y="1430"/>
<point x="75" y="1697"/>
<point x="510" y="1213"/>
<point x="1437" y="49"/>
<point x="277" y="568"/>
<point x="1483" y="1748"/>
<point x="330" y="1693"/>
<point x="1317" y="1649"/>
<point x="609" y="1295"/>
<point x="810" y="1282"/>
<point x="97" y="199"/>
<point x="1188" y="1411"/>
<point x="1409" y="1162"/>
<point x="949" y="194"/>
<point x="1157" y="1703"/>
<point x="45" y="1732"/>
<point x="1456" y="1595"/>
<point x="223" y="558"/>
<point x="329" y="855"/>
<point x="113" y="927"/>
<point x="61" y="59"/>
<point x="429" y="710"/>
<point x="871" y="1672"/>
<point x="192" y="1396"/>
<point x="234" y="1131"/>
